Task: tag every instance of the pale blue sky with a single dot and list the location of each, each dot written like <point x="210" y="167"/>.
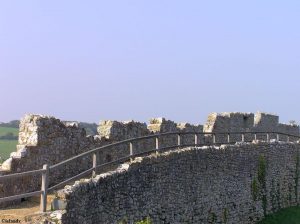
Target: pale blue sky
<point x="92" y="60"/>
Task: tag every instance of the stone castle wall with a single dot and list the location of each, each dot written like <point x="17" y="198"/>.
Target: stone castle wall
<point x="228" y="184"/>
<point x="248" y="122"/>
<point x="229" y="122"/>
<point x="115" y="131"/>
<point x="47" y="140"/>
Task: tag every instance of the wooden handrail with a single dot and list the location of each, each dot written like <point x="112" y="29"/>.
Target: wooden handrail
<point x="156" y="136"/>
<point x="19" y="196"/>
<point x="16" y="175"/>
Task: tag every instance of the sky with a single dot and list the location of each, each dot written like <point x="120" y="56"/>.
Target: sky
<point x="121" y="60"/>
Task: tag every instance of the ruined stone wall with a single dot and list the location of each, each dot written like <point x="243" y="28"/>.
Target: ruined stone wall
<point x="118" y="131"/>
<point x="114" y="131"/>
<point x="270" y="122"/>
<point x="45" y="140"/>
<point x="190" y="138"/>
<point x="245" y="122"/>
<point x="231" y="184"/>
<point x="265" y="122"/>
<point x="288" y="128"/>
<point x="161" y="125"/>
<point x="230" y="122"/>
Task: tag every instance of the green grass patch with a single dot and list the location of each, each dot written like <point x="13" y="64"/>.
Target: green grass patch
<point x="145" y="221"/>
<point x="6" y="147"/>
<point x="5" y="130"/>
<point x="284" y="216"/>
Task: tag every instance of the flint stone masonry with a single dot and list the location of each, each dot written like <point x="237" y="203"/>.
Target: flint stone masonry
<point x="229" y="122"/>
<point x="266" y="121"/>
<point x="47" y="140"/>
<point x="270" y="122"/>
<point x="114" y="131"/>
<point x="161" y="125"/>
<point x="157" y="125"/>
<point x="190" y="138"/>
<point x="117" y="131"/>
<point x="192" y="185"/>
<point x="245" y="122"/>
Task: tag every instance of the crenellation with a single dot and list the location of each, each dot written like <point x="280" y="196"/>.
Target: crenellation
<point x="266" y="121"/>
<point x="161" y="125"/>
<point x="290" y="129"/>
<point x="118" y="131"/>
<point x="190" y="138"/>
<point x="247" y="122"/>
<point x="229" y="122"/>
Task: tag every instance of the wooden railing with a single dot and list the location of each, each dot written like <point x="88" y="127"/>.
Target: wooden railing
<point x="211" y="136"/>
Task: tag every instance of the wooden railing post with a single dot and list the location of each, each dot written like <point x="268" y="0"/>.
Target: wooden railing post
<point x="156" y="144"/>
<point x="228" y="138"/>
<point x="268" y="137"/>
<point x="196" y="139"/>
<point x="131" y="151"/>
<point x="44" y="189"/>
<point x="178" y="140"/>
<point x="94" y="164"/>
<point x="255" y="136"/>
<point x="243" y="137"/>
<point x="277" y="136"/>
<point x="214" y="138"/>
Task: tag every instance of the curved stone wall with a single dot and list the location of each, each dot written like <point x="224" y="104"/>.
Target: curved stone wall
<point x="48" y="140"/>
<point x="228" y="184"/>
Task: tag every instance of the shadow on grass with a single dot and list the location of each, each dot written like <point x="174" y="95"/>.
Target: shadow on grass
<point x="285" y="216"/>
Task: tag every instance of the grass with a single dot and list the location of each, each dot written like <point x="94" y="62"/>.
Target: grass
<point x="4" y="130"/>
<point x="145" y="221"/>
<point x="284" y="216"/>
<point x="6" y="147"/>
